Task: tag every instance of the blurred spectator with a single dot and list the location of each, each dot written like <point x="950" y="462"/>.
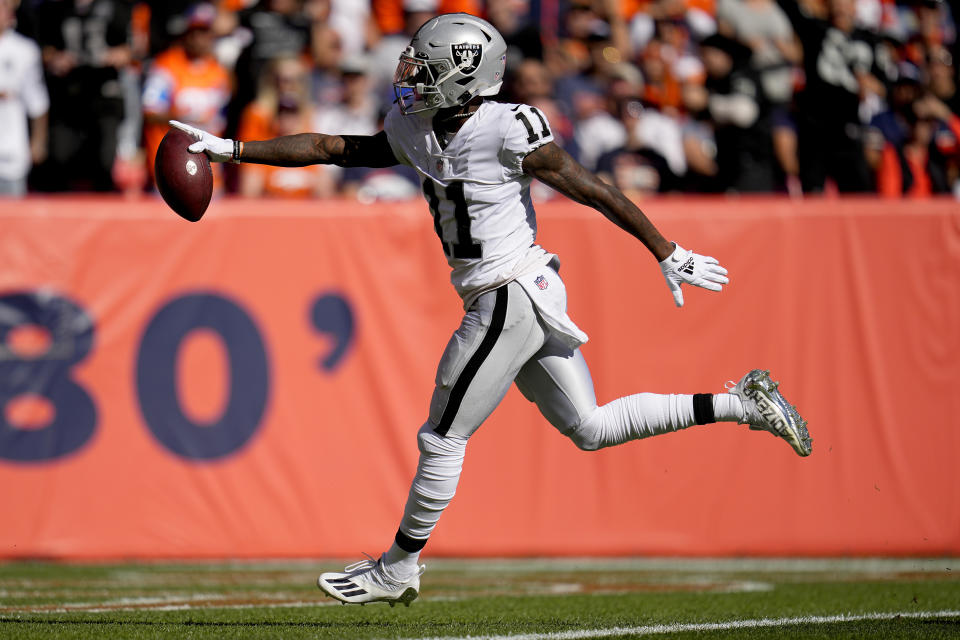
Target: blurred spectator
<point x="776" y="52"/>
<point x="357" y="111"/>
<point x="942" y="77"/>
<point x="590" y="61"/>
<point x="165" y="23"/>
<point x="679" y="50"/>
<point x="186" y="83"/>
<point x="697" y="16"/>
<point x="276" y="28"/>
<point x="668" y="64"/>
<point x="282" y="107"/>
<point x="622" y="84"/>
<point x="392" y="16"/>
<point x="893" y="124"/>
<point x="512" y="20"/>
<point x="745" y="159"/>
<point x="918" y="167"/>
<point x="699" y="141"/>
<point x="25" y="18"/>
<point x="652" y="157"/>
<point x="326" y="53"/>
<point x="352" y="20"/>
<point x="596" y="130"/>
<point x="85" y="45"/>
<point x="569" y="60"/>
<point x="386" y="53"/>
<point x="842" y="69"/>
<point x="655" y="133"/>
<point x="930" y="23"/>
<point x="531" y="83"/>
<point x="913" y="145"/>
<point x="23" y="101"/>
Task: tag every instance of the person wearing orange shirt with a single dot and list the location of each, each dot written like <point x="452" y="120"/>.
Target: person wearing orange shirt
<point x="917" y="167"/>
<point x="186" y="83"/>
<point x="282" y="107"/>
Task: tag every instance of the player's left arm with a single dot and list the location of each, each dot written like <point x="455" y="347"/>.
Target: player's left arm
<point x="555" y="167"/>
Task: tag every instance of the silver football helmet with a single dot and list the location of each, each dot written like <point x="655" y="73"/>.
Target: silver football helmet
<point x="451" y="59"/>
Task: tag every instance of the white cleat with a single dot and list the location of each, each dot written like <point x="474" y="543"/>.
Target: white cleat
<point x="765" y="409"/>
<point x="366" y="581"/>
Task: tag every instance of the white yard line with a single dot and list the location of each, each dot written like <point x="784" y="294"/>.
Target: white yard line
<point x="296" y="604"/>
<point x="165" y="605"/>
<point x="701" y="565"/>
<point x="659" y="629"/>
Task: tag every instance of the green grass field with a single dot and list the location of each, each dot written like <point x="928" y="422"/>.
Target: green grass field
<point x="509" y="599"/>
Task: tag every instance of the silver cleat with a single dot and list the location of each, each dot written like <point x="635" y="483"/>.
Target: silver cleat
<point x="765" y="409"/>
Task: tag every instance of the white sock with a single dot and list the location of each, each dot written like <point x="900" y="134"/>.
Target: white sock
<point x="643" y="415"/>
<point x="399" y="564"/>
<point x="634" y="417"/>
<point x="433" y="487"/>
<point x="727" y="407"/>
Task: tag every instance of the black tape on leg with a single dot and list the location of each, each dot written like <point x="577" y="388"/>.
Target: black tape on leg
<point x="408" y="544"/>
<point x="703" y="408"/>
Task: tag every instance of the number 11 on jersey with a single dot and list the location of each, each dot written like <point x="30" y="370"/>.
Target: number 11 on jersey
<point x="533" y="136"/>
<point x="464" y="247"/>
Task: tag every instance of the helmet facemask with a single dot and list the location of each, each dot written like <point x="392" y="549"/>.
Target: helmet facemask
<point x="416" y="84"/>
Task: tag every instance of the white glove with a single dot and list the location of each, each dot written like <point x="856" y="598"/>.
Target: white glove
<point x="684" y="266"/>
<point x="217" y="149"/>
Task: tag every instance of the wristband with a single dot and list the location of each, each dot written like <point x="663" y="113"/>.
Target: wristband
<point x="237" y="150"/>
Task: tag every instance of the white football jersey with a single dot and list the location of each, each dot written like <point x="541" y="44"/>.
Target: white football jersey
<point x="477" y="192"/>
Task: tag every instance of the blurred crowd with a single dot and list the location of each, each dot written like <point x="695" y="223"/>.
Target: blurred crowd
<point x="694" y="96"/>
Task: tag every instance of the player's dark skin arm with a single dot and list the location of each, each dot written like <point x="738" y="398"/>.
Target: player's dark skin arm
<point x="554" y="166"/>
<point x="305" y="149"/>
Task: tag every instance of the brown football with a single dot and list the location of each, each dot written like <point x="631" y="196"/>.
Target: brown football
<point x="184" y="179"/>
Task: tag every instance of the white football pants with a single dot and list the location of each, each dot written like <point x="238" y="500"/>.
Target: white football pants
<point x="501" y="340"/>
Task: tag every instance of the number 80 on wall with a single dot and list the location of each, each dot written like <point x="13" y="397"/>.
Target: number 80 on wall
<point x="43" y="335"/>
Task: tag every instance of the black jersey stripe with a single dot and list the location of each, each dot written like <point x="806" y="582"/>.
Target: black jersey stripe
<point x="473" y="365"/>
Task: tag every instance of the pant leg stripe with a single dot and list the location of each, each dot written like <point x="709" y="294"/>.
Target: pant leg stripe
<point x="473" y="365"/>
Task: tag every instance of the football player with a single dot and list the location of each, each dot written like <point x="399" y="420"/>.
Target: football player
<point x="475" y="159"/>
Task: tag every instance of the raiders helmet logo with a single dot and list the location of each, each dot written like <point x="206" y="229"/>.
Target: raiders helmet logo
<point x="467" y="56"/>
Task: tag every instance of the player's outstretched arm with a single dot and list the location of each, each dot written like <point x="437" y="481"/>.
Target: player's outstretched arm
<point x="557" y="168"/>
<point x="317" y="148"/>
<point x="298" y="150"/>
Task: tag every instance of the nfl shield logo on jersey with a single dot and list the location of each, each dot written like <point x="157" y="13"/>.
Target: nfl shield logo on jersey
<point x="467" y="56"/>
<point x="541" y="282"/>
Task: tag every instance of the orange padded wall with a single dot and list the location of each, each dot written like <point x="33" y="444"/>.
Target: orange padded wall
<point x="251" y="385"/>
